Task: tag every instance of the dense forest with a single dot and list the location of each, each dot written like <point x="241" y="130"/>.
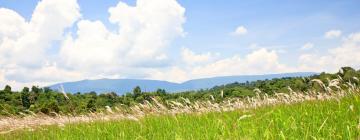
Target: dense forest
<point x="47" y="101"/>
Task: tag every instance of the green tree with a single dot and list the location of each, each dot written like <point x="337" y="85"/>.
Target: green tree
<point x="160" y="92"/>
<point x="5" y="94"/>
<point x="46" y="90"/>
<point x="25" y="97"/>
<point x="7" y="89"/>
<point x="91" y="105"/>
<point x="35" y="89"/>
<point x="137" y="91"/>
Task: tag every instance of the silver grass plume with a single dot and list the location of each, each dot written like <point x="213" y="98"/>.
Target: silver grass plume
<point x="63" y="92"/>
<point x="108" y="109"/>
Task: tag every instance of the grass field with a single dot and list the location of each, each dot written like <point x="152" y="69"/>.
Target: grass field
<point x="331" y="119"/>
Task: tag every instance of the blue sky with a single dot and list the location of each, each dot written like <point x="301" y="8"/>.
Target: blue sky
<point x="274" y="41"/>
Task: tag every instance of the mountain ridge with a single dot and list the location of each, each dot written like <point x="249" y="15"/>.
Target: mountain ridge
<point x="121" y="86"/>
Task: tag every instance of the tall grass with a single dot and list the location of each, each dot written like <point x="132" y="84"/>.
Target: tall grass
<point x="330" y="119"/>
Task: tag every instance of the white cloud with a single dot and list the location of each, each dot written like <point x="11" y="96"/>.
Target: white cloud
<point x="24" y="44"/>
<point x="332" y="34"/>
<point x="144" y="33"/>
<point x="48" y="73"/>
<point x="15" y="85"/>
<point x="191" y="58"/>
<point x="173" y="74"/>
<point x="344" y="55"/>
<point x="257" y="62"/>
<point x="94" y="48"/>
<point x="307" y="46"/>
<point x="240" y="30"/>
<point x="260" y="61"/>
<point x="27" y="46"/>
<point x="148" y="27"/>
<point x="12" y="25"/>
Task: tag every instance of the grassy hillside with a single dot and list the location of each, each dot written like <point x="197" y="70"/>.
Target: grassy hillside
<point x="327" y="119"/>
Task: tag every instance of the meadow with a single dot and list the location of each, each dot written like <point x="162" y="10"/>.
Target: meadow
<point x="325" y="119"/>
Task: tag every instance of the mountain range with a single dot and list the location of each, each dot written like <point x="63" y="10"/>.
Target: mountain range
<point x="121" y="86"/>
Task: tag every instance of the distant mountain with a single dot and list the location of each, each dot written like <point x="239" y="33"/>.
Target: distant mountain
<point x="122" y="86"/>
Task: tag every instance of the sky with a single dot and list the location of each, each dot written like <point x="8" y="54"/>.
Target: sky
<point x="43" y="42"/>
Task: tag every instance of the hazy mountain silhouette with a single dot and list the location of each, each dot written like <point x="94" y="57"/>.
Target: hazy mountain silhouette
<point x="122" y="86"/>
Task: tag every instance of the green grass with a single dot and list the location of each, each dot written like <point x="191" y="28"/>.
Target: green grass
<point x="308" y="120"/>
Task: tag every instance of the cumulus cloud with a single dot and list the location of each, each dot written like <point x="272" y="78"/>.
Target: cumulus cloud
<point x="257" y="62"/>
<point x="191" y="58"/>
<point x="16" y="85"/>
<point x="307" y="46"/>
<point x="260" y="61"/>
<point x="94" y="46"/>
<point x="344" y="55"/>
<point x="173" y="74"/>
<point x="47" y="73"/>
<point x="144" y="32"/>
<point x="12" y="24"/>
<point x="48" y="21"/>
<point x="240" y="30"/>
<point x="24" y="44"/>
<point x="332" y="34"/>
